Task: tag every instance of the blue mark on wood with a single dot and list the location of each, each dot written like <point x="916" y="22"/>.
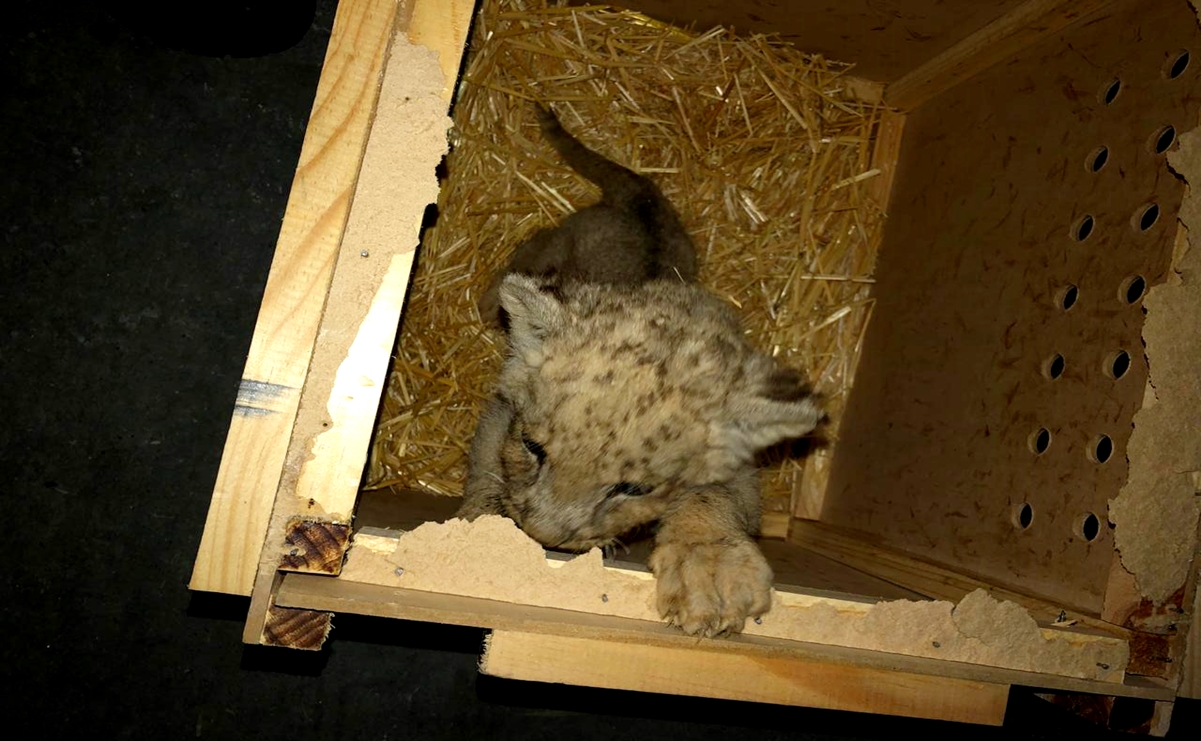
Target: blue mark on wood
<point x="256" y="398"/>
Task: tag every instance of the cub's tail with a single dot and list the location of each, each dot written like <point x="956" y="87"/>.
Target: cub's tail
<point x="620" y="186"/>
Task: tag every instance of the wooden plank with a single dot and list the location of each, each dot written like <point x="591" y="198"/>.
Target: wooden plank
<point x="1021" y="28"/>
<point x="936" y="450"/>
<point x="928" y="578"/>
<point x="491" y="559"/>
<point x="703" y="673"/>
<point x="292" y="300"/>
<point x="338" y="595"/>
<point x="348" y="368"/>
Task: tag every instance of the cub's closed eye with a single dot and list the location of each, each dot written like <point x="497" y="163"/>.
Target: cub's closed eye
<point x="629" y="490"/>
<point x="535" y="449"/>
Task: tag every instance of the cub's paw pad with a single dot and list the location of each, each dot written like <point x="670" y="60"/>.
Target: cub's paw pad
<point x="710" y="589"/>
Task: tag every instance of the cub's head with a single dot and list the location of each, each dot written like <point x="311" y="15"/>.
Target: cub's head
<point x="622" y="398"/>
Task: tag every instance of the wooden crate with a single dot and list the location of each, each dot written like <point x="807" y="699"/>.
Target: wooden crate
<point x="999" y="508"/>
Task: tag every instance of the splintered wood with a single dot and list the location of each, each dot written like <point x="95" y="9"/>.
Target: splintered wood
<point x="765" y="151"/>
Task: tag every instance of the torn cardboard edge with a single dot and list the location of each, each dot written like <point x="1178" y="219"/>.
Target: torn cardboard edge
<point x="491" y="558"/>
<point x="1155" y="514"/>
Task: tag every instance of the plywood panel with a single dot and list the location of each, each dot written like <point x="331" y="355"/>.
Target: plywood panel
<point x="884" y="39"/>
<point x="935" y="452"/>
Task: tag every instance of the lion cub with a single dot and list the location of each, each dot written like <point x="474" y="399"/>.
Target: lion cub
<point x="629" y="397"/>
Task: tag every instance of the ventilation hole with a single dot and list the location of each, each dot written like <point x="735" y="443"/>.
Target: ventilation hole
<point x="1145" y="217"/>
<point x="1177" y="64"/>
<point x="1097" y="159"/>
<point x="1053" y="367"/>
<point x="1163" y="139"/>
<point x="1089" y="527"/>
<point x="1066" y="297"/>
<point x="1023" y="516"/>
<point x="1082" y="228"/>
<point x="1101" y="449"/>
<point x="1040" y="441"/>
<point x="1118" y="365"/>
<point x="1109" y="91"/>
<point x="1132" y="289"/>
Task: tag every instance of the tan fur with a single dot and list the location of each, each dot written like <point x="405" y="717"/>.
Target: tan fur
<point x="649" y="385"/>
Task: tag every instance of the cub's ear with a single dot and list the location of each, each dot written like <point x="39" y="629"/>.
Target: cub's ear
<point x="779" y="407"/>
<point x="535" y="309"/>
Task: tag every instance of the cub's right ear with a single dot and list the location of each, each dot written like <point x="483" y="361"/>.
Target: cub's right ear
<point x="535" y="309"/>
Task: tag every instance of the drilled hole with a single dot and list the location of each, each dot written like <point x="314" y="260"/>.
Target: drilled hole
<point x="1097" y="159"/>
<point x="1040" y="441"/>
<point x="1083" y="228"/>
<point x="1145" y="217"/>
<point x="1067" y="296"/>
<point x="1023" y="516"/>
<point x="1102" y="449"/>
<point x="1132" y="289"/>
<point x="1089" y="527"/>
<point x="1163" y="139"/>
<point x="1053" y="366"/>
<point x="1177" y="64"/>
<point x="1118" y="365"/>
<point x="1109" y="91"/>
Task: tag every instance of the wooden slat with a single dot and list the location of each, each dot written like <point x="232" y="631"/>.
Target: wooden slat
<point x="1022" y="27"/>
<point x="706" y="673"/>
<point x="338" y="595"/>
<point x="348" y="368"/>
<point x="292" y="300"/>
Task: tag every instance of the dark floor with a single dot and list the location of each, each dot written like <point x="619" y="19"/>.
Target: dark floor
<point x="147" y="161"/>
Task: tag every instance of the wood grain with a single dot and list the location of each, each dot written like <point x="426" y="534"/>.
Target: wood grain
<point x="348" y="366"/>
<point x="286" y="329"/>
<point x="702" y="673"/>
<point x="339" y="595"/>
<point x="291" y="628"/>
<point x="1021" y="28"/>
<point x="934" y="451"/>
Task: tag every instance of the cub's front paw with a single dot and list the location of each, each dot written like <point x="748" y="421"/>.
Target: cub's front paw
<point x="710" y="589"/>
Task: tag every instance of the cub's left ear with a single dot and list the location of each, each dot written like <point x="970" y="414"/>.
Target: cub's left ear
<point x="535" y="312"/>
<point x="781" y="407"/>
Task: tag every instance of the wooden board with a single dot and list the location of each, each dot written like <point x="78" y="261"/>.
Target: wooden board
<point x="706" y="673"/>
<point x="884" y="40"/>
<point x="293" y="298"/>
<point x="340" y="595"/>
<point x="935" y="452"/>
<point x="348" y="366"/>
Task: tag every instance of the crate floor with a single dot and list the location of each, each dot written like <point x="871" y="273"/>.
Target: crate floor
<point x="144" y="183"/>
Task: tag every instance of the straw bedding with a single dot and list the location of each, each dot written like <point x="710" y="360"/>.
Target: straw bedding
<point x="765" y="152"/>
